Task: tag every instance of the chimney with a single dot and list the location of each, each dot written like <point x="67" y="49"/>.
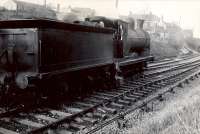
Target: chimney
<point x="58" y="7"/>
<point x="140" y="23"/>
<point x="132" y="24"/>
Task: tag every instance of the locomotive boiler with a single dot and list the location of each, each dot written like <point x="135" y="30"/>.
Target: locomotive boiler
<point x="131" y="43"/>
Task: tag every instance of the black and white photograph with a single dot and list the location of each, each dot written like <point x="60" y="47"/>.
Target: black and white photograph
<point x="99" y="67"/>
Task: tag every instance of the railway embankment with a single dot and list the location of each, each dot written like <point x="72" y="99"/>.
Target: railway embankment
<point x="177" y="114"/>
<point x="161" y="49"/>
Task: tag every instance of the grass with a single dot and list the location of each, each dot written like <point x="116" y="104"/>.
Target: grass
<point x="180" y="115"/>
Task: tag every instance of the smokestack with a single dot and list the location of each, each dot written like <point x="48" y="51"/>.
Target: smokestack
<point x="140" y="23"/>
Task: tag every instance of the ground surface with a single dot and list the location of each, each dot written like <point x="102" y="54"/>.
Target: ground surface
<point x="179" y="113"/>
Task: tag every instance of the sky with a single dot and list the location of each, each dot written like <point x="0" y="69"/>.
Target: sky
<point x="184" y="12"/>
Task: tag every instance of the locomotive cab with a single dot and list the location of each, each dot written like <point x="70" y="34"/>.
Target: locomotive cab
<point x="131" y="46"/>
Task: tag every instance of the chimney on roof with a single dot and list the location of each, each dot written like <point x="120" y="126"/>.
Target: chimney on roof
<point x="131" y="23"/>
<point x="58" y="7"/>
<point x="45" y="3"/>
<point x="140" y="23"/>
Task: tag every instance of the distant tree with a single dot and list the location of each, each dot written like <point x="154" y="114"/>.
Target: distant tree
<point x="71" y="17"/>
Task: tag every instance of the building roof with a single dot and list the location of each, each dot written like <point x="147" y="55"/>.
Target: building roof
<point x="32" y="5"/>
<point x="147" y="17"/>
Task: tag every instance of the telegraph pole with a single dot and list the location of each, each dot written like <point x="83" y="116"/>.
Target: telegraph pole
<point x="45" y="3"/>
<point x="116" y="4"/>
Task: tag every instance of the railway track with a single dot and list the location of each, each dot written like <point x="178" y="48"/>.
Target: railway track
<point x="91" y="114"/>
<point x="175" y="60"/>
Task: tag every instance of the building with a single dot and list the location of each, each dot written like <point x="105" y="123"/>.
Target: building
<point x="71" y="14"/>
<point x="19" y="9"/>
<point x="188" y="33"/>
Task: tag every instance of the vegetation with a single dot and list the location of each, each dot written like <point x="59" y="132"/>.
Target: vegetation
<point x="180" y="116"/>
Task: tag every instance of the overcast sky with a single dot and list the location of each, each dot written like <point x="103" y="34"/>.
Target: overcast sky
<point x="185" y="12"/>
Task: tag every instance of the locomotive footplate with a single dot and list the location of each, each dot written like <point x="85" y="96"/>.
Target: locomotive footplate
<point x="132" y="60"/>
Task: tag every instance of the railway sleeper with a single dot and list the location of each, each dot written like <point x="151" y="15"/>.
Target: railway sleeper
<point x="106" y="94"/>
<point x="100" y="97"/>
<point x="151" y="89"/>
<point x="60" y="113"/>
<point x="100" y="115"/>
<point x="137" y="94"/>
<point x="73" y="110"/>
<point x="143" y="92"/>
<point x="29" y="123"/>
<point x="77" y="126"/>
<point x="127" y="86"/>
<point x="37" y="120"/>
<point x="60" y="131"/>
<point x="123" y="102"/>
<point x="117" y="92"/>
<point x="77" y="105"/>
<point x="84" y="104"/>
<point x="134" y="83"/>
<point x="94" y="100"/>
<point x="146" y="89"/>
<point x="90" y="120"/>
<point x="124" y="89"/>
<point x="46" y="118"/>
<point x="13" y="126"/>
<point x="108" y="110"/>
<point x="131" y="99"/>
<point x="155" y="86"/>
<point x="116" y="105"/>
<point x="134" y="96"/>
<point x="7" y="131"/>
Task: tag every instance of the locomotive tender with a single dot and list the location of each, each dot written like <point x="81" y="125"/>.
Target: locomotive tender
<point x="64" y="55"/>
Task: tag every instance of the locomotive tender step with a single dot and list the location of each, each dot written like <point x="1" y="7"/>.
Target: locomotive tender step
<point x="6" y="131"/>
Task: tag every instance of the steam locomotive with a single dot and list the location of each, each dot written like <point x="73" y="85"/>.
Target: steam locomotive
<point x="59" y="56"/>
